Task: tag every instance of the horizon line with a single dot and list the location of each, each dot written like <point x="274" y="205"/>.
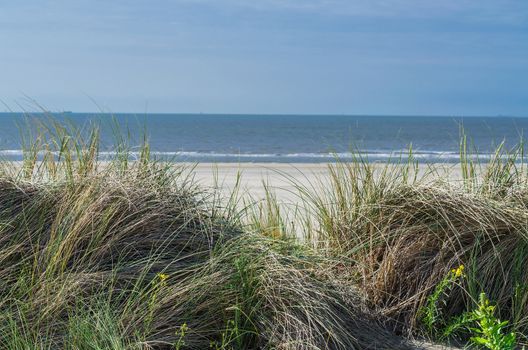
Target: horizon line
<point x="68" y="112"/>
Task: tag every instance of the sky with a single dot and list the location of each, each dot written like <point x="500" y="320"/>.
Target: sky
<point x="390" y="57"/>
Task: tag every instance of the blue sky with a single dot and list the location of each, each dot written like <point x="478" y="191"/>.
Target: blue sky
<point x="426" y="57"/>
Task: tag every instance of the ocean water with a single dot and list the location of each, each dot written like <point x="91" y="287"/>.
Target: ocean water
<point x="283" y="138"/>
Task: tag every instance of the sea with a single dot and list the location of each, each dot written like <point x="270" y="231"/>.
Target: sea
<point x="279" y="138"/>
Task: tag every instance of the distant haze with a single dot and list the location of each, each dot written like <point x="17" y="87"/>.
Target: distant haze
<point x="404" y="57"/>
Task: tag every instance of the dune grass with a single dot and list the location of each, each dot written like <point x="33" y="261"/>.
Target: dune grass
<point x="400" y="229"/>
<point x="131" y="254"/>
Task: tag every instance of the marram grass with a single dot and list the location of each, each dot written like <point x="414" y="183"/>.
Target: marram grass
<point x="400" y="228"/>
<point x="132" y="255"/>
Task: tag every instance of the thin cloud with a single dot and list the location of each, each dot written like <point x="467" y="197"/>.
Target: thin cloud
<point x="504" y="12"/>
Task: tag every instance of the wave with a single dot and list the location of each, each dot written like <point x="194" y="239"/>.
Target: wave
<point x="369" y="155"/>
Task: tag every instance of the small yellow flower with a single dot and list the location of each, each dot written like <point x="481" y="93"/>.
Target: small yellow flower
<point x="162" y="276"/>
<point x="458" y="271"/>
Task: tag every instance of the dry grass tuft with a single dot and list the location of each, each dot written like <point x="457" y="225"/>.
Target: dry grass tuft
<point x="132" y="255"/>
<point x="404" y="228"/>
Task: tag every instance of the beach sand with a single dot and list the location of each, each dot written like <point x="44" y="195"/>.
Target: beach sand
<point x="282" y="177"/>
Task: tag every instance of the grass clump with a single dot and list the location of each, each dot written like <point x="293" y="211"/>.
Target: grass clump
<point x="132" y="255"/>
<point x="401" y="227"/>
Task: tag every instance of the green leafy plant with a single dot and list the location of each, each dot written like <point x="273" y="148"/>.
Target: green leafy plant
<point x="431" y="312"/>
<point x="180" y="343"/>
<point x="491" y="330"/>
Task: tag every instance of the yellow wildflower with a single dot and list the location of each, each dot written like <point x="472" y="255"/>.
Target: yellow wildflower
<point x="458" y="271"/>
<point x="163" y="276"/>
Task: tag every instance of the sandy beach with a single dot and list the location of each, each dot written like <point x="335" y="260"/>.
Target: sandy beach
<point x="254" y="176"/>
<point x="282" y="177"/>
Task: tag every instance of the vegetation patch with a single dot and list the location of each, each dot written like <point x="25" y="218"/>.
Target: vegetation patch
<point x="131" y="254"/>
